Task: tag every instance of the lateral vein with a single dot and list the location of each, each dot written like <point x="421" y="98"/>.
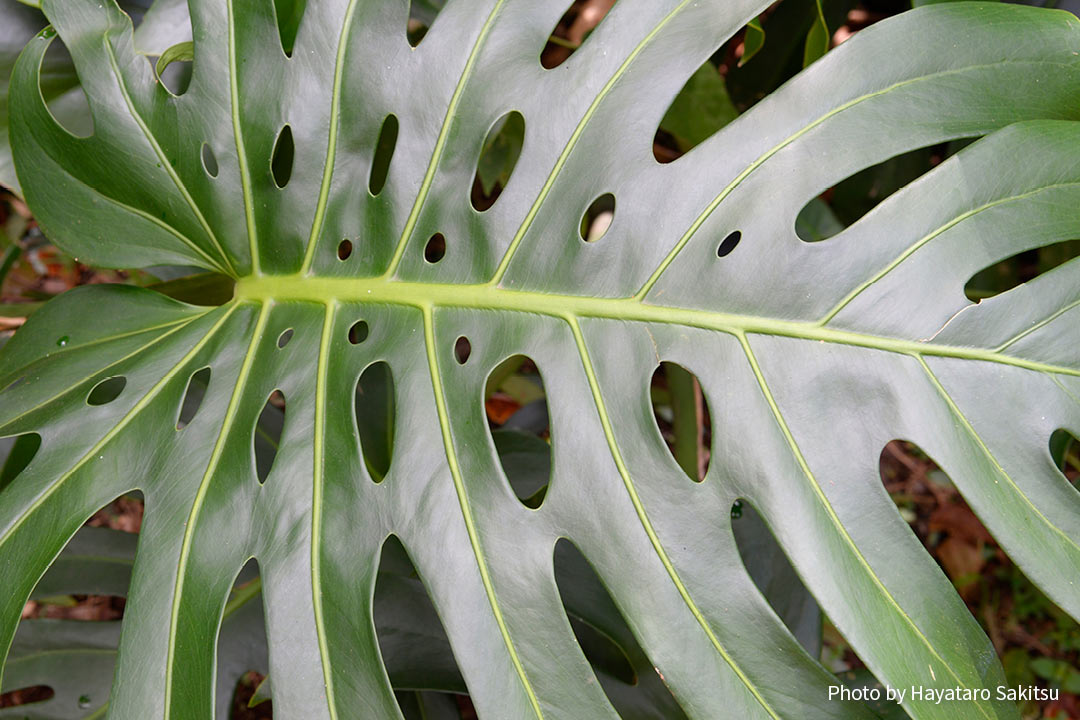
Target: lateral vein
<point x="200" y="496"/>
<point x="639" y="508"/>
<point x="466" y="510"/>
<point x="834" y="519"/>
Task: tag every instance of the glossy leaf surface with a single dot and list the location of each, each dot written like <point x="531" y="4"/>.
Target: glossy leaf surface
<point x="811" y="356"/>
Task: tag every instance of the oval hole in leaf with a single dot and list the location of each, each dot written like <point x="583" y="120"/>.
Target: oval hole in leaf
<point x="358" y="333"/>
<point x="266" y="435"/>
<point x="498" y="158"/>
<point x="1020" y="268"/>
<point x="435" y="250"/>
<point x="598" y="218"/>
<point x="384" y="153"/>
<point x="289" y="15"/>
<point x="91" y="577"/>
<point x="515" y="403"/>
<point x="925" y="496"/>
<point x="193" y="397"/>
<point x="849" y="200"/>
<point x="1064" y="449"/>
<point x="701" y="108"/>
<point x="281" y="164"/>
<point x="771" y="571"/>
<point x="422" y="14"/>
<point x="728" y="244"/>
<point x="570" y="33"/>
<point x="344" y="249"/>
<point x="414" y="647"/>
<point x="624" y="670"/>
<point x="106" y="391"/>
<point x="284" y="338"/>
<point x="592" y="613"/>
<point x="21" y="697"/>
<point x="376" y="418"/>
<point x="462" y="350"/>
<point x="86" y="585"/>
<point x="64" y="95"/>
<point x="682" y="418"/>
<point x="242" y="633"/>
<point x="174" y="67"/>
<point x="209" y="161"/>
<point x="15" y="455"/>
<point x="177" y="77"/>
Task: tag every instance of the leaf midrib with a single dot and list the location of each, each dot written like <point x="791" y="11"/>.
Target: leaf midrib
<point x="303" y="288"/>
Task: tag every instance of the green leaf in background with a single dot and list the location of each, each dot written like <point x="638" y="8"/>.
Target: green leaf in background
<point x="1060" y="673"/>
<point x="501" y="152"/>
<point x="753" y="41"/>
<point x="817" y="222"/>
<point x="180" y="52"/>
<point x="818" y="39"/>
<point x="700" y="109"/>
<point x="810" y="356"/>
<point x="787" y="25"/>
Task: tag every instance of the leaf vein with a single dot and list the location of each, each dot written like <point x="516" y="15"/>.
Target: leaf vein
<point x="838" y="525"/>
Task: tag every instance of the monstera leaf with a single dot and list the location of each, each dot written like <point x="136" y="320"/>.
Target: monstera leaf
<point x="166" y="23"/>
<point x="75" y="658"/>
<point x="811" y="356"/>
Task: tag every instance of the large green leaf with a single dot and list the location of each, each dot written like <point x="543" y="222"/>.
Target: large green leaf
<point x="167" y="23"/>
<point x="811" y="356"/>
<point x="76" y="657"/>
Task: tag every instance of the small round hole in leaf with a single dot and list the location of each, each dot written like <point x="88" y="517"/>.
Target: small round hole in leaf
<point x="498" y="158"/>
<point x="30" y="695"/>
<point x="462" y="350"/>
<point x="681" y="413"/>
<point x="19" y="452"/>
<point x="384" y="153"/>
<point x="375" y="418"/>
<point x="209" y="161"/>
<point x="1065" y="450"/>
<point x="598" y="218"/>
<point x="519" y="420"/>
<point x="344" y="249"/>
<point x="266" y="435"/>
<point x="576" y="25"/>
<point x="284" y="338"/>
<point x="106" y="391"/>
<point x="728" y="244"/>
<point x="281" y="163"/>
<point x="193" y="397"/>
<point x="435" y="249"/>
<point x="358" y="333"/>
